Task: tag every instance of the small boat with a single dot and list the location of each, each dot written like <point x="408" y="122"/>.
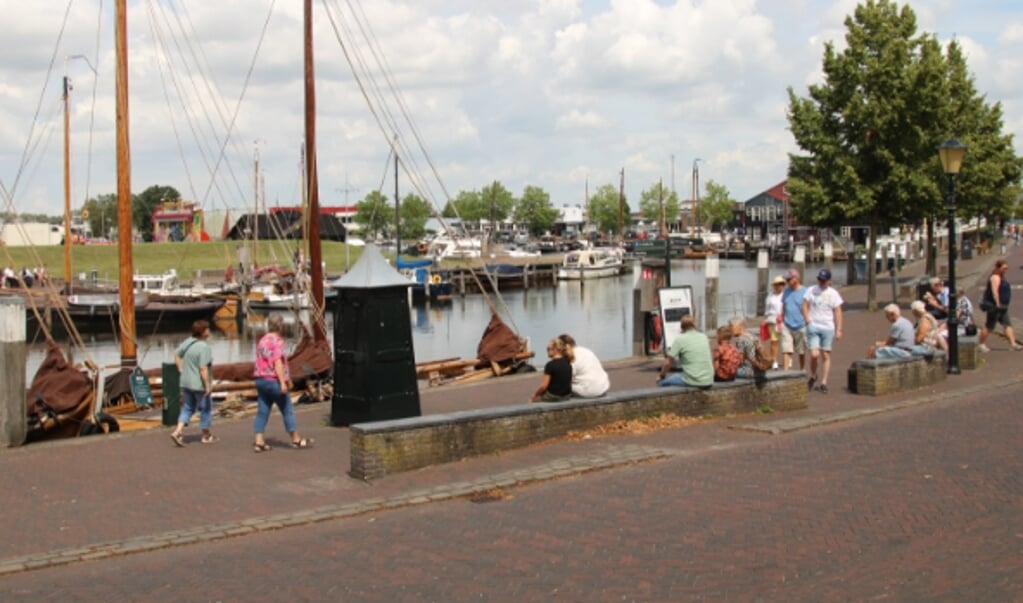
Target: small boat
<point x="503" y="276"/>
<point x="598" y="262"/>
<point x="455" y="248"/>
<point x="427" y="284"/>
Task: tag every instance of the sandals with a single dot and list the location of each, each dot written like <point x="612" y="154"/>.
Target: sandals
<point x="261" y="447"/>
<point x="302" y="443"/>
<point x="179" y="440"/>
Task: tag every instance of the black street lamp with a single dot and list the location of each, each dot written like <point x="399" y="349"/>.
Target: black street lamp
<point x="951" y="153"/>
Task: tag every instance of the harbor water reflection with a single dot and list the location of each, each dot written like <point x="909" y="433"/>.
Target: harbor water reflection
<point x="597" y="313"/>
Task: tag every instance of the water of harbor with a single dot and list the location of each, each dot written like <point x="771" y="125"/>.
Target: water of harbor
<point x="597" y="313"/>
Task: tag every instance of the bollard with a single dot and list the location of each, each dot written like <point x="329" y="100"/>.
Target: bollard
<point x="762" y="279"/>
<point x="171" y="394"/>
<point x="638" y="323"/>
<point x="829" y="253"/>
<point x="712" y="273"/>
<point x="799" y="259"/>
<point x="13" y="415"/>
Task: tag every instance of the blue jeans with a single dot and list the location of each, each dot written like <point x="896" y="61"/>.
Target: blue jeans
<point x="818" y="338"/>
<point x="190" y="400"/>
<point x="270" y="393"/>
<point x="677" y="379"/>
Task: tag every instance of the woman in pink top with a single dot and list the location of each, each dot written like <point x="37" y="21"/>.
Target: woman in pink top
<point x="272" y="384"/>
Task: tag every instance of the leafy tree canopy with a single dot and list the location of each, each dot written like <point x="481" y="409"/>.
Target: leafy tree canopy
<point x="535" y="210"/>
<point x="659" y="204"/>
<point x="414" y="214"/>
<point x="716" y="208"/>
<point x="374" y="214"/>
<point x="606" y="210"/>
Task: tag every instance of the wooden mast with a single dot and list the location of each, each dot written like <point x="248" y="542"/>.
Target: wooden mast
<point x="313" y="234"/>
<point x="124" y="232"/>
<point x="67" y="190"/>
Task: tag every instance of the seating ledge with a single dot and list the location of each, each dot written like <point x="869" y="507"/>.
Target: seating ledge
<point x="385" y="447"/>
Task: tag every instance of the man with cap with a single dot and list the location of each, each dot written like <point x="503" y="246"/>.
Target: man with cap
<point x="822" y="310"/>
<point x="793" y="323"/>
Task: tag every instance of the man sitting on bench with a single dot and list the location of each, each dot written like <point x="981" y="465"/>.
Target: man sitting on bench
<point x="936" y="299"/>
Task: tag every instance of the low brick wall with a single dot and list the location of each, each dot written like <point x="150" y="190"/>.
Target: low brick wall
<point x="386" y="447"/>
<point x="888" y="375"/>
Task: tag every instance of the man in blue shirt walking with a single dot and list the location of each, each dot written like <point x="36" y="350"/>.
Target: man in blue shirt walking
<point x="793" y="332"/>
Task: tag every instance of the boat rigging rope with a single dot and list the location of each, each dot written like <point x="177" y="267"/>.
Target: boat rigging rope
<point x="381" y="114"/>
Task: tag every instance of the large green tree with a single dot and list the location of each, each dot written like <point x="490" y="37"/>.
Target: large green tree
<point x="374" y="214"/>
<point x="145" y="203"/>
<point x="868" y="134"/>
<point x="659" y="204"/>
<point x="467" y="206"/>
<point x="716" y="207"/>
<point x="535" y="211"/>
<point x="499" y="202"/>
<point x="607" y="207"/>
<point x="102" y="214"/>
<point x="414" y="214"/>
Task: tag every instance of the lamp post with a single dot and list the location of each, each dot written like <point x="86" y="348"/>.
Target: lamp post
<point x="951" y="153"/>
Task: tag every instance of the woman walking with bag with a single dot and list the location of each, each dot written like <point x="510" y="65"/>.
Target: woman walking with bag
<point x="195" y="364"/>
<point x="273" y="381"/>
<point x="996" y="304"/>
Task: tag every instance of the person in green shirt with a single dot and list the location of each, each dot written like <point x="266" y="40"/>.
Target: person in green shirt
<point x="195" y="363"/>
<point x="692" y="350"/>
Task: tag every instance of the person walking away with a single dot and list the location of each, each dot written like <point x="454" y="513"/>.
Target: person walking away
<point x="589" y="379"/>
<point x="556" y="383"/>
<point x="273" y="383"/>
<point x="793" y="323"/>
<point x="772" y="317"/>
<point x="900" y="341"/>
<point x="822" y="310"/>
<point x="995" y="304"/>
<point x="194" y="359"/>
<point x="692" y="351"/>
<point x="726" y="357"/>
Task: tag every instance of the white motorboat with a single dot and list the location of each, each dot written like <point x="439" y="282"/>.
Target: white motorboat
<point x="598" y="262"/>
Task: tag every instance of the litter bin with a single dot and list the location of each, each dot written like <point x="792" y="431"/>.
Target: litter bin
<point x="171" y="393"/>
<point x="966" y="253"/>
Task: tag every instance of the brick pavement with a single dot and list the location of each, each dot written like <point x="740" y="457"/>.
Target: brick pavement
<point x="136" y="489"/>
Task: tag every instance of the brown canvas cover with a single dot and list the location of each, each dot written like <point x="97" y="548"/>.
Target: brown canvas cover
<point x="499" y="343"/>
<point x="57" y="386"/>
<point x="310" y="359"/>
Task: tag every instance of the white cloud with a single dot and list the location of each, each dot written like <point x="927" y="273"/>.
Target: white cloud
<point x="551" y="93"/>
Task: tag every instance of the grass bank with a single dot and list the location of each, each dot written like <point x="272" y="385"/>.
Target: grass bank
<point x="186" y="258"/>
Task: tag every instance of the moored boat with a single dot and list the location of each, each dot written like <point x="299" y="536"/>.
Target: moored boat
<point x="598" y="262"/>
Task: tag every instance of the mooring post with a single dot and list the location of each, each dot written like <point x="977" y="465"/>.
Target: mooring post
<point x="13" y="414"/>
<point x="762" y="280"/>
<point x="799" y="259"/>
<point x="829" y="254"/>
<point x="712" y="272"/>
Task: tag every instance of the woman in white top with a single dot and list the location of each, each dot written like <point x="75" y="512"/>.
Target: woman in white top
<point x="589" y="380"/>
<point x="772" y="316"/>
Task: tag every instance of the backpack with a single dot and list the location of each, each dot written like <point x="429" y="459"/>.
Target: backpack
<point x="761" y="360"/>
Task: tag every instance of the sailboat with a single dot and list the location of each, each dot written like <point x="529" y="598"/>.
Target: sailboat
<point x="64" y="401"/>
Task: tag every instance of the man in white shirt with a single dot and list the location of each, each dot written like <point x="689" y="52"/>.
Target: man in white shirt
<point x="589" y="380"/>
<point x="822" y="309"/>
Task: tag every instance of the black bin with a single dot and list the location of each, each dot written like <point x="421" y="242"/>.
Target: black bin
<point x="171" y="393"/>
<point x="966" y="252"/>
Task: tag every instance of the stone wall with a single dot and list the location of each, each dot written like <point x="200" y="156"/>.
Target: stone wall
<point x="385" y="447"/>
<point x="886" y="376"/>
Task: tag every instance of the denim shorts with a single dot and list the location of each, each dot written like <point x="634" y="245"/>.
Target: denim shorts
<point x="818" y="338"/>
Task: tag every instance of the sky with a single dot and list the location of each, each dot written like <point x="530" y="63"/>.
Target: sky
<point x="566" y="95"/>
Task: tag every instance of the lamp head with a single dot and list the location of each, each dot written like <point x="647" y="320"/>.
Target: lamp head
<point x="951" y="152"/>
